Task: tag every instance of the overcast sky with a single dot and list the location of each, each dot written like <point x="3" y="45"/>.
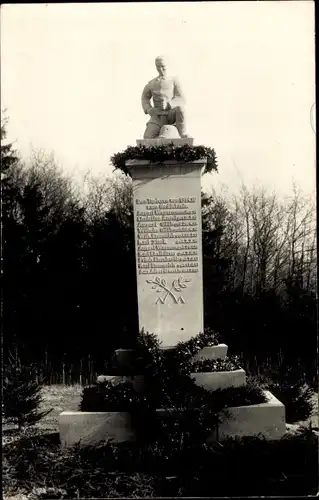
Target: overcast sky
<point x="72" y="77"/>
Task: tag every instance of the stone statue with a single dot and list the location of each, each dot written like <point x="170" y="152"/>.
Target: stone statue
<point x="168" y="103"/>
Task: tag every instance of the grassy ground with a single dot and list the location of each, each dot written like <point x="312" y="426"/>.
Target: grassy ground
<point x="56" y="398"/>
<point x="67" y="398"/>
<point x="60" y="398"/>
<point x="21" y="460"/>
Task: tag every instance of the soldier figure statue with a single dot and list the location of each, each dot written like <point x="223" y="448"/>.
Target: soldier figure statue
<point x="168" y="103"/>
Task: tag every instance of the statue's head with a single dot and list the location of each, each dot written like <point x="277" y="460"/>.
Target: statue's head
<point x="160" y="64"/>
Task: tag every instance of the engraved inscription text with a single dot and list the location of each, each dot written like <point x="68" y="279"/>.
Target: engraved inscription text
<point x="167" y="235"/>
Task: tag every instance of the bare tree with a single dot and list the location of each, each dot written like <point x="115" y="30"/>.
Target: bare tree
<point x="104" y="193"/>
<point x="266" y="239"/>
<point x="59" y="191"/>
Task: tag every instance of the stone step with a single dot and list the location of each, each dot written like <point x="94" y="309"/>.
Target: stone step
<point x="137" y="381"/>
<point x="220" y="380"/>
<point x="89" y="428"/>
<point x="208" y="380"/>
<point x="265" y="419"/>
<point x="126" y="357"/>
<point x="212" y="352"/>
<point x="159" y="141"/>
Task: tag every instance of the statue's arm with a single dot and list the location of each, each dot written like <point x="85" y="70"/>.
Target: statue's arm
<point x="146" y="98"/>
<point x="178" y="96"/>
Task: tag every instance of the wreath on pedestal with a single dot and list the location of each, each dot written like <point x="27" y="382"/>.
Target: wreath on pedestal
<point x="165" y="152"/>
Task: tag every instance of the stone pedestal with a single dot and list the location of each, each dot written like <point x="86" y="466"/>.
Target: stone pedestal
<point x="159" y="141"/>
<point x="212" y="352"/>
<point x="265" y="420"/>
<point x="212" y="381"/>
<point x="168" y="244"/>
<point x="90" y="428"/>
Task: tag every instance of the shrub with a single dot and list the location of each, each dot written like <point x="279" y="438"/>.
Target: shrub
<point x="253" y="467"/>
<point x="250" y="394"/>
<point x="108" y="397"/>
<point x="216" y="365"/>
<point x="21" y="395"/>
<point x="244" y="467"/>
<point x="290" y="387"/>
<point x="40" y="468"/>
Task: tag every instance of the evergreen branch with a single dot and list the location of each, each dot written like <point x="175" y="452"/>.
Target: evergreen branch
<point x="165" y="152"/>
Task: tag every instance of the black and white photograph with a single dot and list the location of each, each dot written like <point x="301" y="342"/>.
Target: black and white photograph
<point x="159" y="250"/>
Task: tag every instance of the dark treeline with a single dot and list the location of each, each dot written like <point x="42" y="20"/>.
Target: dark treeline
<point x="260" y="277"/>
<point x="69" y="283"/>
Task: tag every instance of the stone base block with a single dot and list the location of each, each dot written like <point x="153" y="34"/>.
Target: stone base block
<point x="266" y="420"/>
<point x="213" y="352"/>
<point x="220" y="380"/>
<point x="113" y="379"/>
<point x="89" y="428"/>
<point x="167" y="348"/>
<point x="159" y="141"/>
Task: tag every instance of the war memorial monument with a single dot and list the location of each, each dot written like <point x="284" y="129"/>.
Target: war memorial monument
<point x="168" y="251"/>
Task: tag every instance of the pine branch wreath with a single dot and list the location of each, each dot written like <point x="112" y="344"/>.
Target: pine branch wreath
<point x="165" y="152"/>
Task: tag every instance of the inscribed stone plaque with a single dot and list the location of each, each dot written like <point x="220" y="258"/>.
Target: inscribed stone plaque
<point x="168" y="248"/>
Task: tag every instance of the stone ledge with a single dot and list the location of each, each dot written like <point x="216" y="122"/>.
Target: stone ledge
<point x="265" y="419"/>
<point x="147" y="163"/>
<point x="220" y="380"/>
<point x="89" y="428"/>
<point x="137" y="381"/>
<point x="212" y="352"/>
<point x="218" y="351"/>
<point x="160" y="141"/>
<point x="127" y="357"/>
